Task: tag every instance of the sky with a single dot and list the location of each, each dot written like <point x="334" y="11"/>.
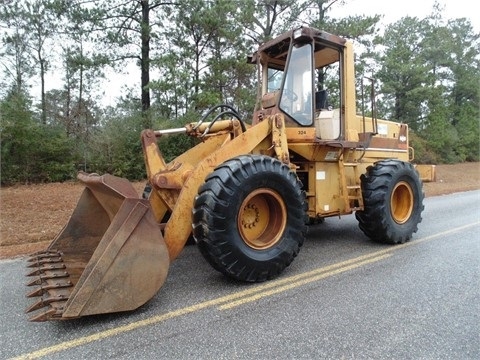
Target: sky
<point x="393" y="10"/>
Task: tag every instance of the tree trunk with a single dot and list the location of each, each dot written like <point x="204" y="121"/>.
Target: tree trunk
<point x="145" y="63"/>
<point x="42" y="81"/>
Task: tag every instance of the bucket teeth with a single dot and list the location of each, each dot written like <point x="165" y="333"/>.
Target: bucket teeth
<point x="43" y="277"/>
<point x="44" y="254"/>
<point x="43" y="268"/>
<point x="47" y="315"/>
<point x="42" y="261"/>
<point x="48" y="301"/>
<point x="53" y="284"/>
<point x="44" y="288"/>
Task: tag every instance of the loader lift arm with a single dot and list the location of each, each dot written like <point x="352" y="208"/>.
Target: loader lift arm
<point x="175" y="185"/>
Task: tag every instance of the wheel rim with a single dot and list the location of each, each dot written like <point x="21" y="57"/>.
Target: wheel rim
<point x="401" y="202"/>
<point x="262" y="218"/>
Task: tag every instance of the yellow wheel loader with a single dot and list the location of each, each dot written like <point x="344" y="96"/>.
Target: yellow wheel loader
<point x="246" y="192"/>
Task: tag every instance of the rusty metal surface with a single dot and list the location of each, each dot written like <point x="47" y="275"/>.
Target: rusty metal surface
<point x="278" y="47"/>
<point x="100" y="261"/>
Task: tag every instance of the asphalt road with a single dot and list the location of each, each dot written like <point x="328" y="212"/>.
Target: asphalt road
<point x="344" y="297"/>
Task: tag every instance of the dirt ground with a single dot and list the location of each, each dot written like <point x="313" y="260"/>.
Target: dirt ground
<point x="31" y="215"/>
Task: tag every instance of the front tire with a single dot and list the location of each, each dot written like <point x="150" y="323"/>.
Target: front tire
<point x="249" y="218"/>
<point x="393" y="202"/>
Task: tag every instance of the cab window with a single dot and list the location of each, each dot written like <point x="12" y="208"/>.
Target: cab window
<point x="296" y="95"/>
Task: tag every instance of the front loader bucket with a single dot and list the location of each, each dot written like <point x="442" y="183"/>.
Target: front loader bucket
<point x="110" y="256"/>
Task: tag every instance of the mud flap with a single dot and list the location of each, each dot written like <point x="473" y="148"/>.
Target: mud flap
<point x="110" y="256"/>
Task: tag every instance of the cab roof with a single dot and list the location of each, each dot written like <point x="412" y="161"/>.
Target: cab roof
<point x="276" y="50"/>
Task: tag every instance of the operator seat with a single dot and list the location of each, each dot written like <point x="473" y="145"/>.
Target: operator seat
<point x="321" y="100"/>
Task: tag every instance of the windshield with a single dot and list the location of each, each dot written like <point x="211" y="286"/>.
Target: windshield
<point x="296" y="100"/>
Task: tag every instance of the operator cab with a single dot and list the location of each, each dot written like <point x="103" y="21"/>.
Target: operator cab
<point x="300" y="77"/>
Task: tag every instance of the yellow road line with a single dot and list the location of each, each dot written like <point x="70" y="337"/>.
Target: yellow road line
<point x="241" y="297"/>
<point x="301" y="282"/>
<point x="297" y="279"/>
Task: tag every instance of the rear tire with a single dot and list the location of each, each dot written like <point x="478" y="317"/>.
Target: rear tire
<point x="393" y="202"/>
<point x="249" y="218"/>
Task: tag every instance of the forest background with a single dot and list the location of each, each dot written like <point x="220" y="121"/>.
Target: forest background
<point x="192" y="56"/>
